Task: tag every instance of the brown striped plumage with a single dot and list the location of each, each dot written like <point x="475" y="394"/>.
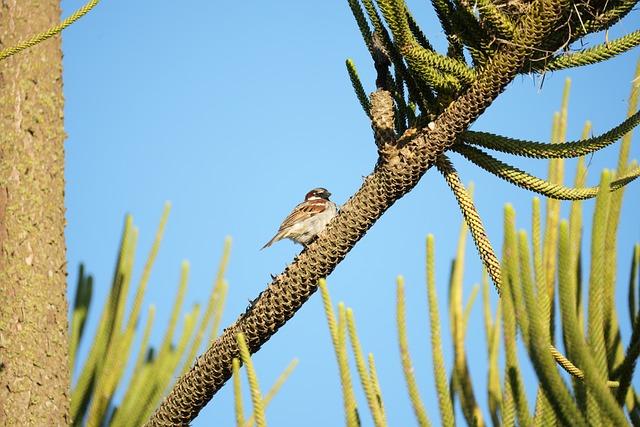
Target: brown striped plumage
<point x="307" y="219"/>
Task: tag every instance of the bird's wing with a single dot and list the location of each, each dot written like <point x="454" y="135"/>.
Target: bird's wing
<point x="301" y="212"/>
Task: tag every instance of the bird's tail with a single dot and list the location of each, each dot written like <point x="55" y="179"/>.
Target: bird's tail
<point x="272" y="241"/>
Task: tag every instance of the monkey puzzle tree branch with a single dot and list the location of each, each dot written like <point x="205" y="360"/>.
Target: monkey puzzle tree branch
<point x="563" y="150"/>
<point x="472" y="218"/>
<point x="396" y="173"/>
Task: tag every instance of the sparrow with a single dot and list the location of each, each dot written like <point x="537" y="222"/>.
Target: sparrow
<point x="307" y="219"/>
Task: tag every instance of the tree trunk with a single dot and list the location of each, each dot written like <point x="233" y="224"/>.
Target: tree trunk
<point x="34" y="363"/>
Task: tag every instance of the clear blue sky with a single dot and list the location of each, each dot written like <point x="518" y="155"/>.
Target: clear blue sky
<point x="233" y="111"/>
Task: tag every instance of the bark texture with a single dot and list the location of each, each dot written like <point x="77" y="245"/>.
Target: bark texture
<point x="34" y="363"/>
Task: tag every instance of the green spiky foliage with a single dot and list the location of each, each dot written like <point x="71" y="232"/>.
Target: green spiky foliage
<point x="101" y="373"/>
<point x="259" y="402"/>
<point x="258" y="414"/>
<point x="583" y="365"/>
<point x="153" y="370"/>
<point x="425" y="102"/>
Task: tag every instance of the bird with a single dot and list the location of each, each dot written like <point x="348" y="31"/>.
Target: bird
<point x="307" y="219"/>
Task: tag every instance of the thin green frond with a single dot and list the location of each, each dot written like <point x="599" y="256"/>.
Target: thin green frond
<point x="575" y="217"/>
<point x="143" y="387"/>
<point x="472" y="219"/>
<point x="570" y="292"/>
<point x="152" y="373"/>
<point x="493" y="331"/>
<point x="407" y="366"/>
<point x="556" y="177"/>
<point x="146" y="271"/>
<point x="143" y="394"/>
<point x="634" y="99"/>
<point x="419" y="80"/>
<point x="421" y="61"/>
<point x="543" y="362"/>
<point x="612" y="337"/>
<point x="214" y="308"/>
<point x="361" y="20"/>
<point x="217" y="301"/>
<point x="376" y="21"/>
<point x="280" y="381"/>
<point x="460" y="377"/>
<point x="256" y="395"/>
<point x="141" y="383"/>
<point x="523" y="179"/>
<point x="538" y="259"/>
<point x="376" y="384"/>
<point x="595" y="54"/>
<point x="543" y="415"/>
<point x="237" y="393"/>
<point x="525" y="281"/>
<point x="394" y="12"/>
<point x="142" y="398"/>
<point x="219" y="291"/>
<point x="597" y="385"/>
<point x="541" y="150"/>
<point x="509" y="316"/>
<point x="596" y="277"/>
<point x="351" y="407"/>
<point x="627" y="368"/>
<point x="177" y="307"/>
<point x="82" y="392"/>
<point x="365" y="379"/>
<point x="121" y="282"/>
<point x="357" y="87"/>
<point x="469" y="306"/>
<point x="140" y="361"/>
<point x="574" y="257"/>
<point x="114" y="361"/>
<point x="498" y="20"/>
<point x="456" y="73"/>
<point x="445" y="404"/>
<point x="82" y="300"/>
<point x="274" y="389"/>
<point x="338" y="338"/>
